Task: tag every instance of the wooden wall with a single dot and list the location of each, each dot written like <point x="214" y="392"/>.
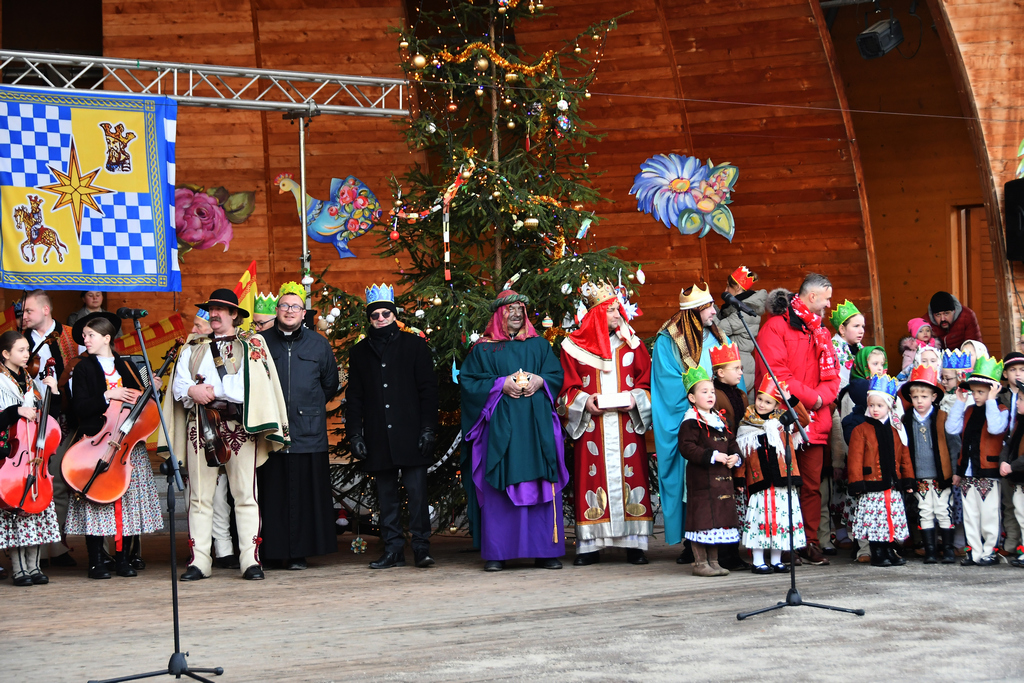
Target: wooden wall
<point x="917" y="168"/>
<point x="983" y="43"/>
<point x="667" y="83"/>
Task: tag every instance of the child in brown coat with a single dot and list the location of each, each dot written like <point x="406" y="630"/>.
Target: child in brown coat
<point x="731" y="404"/>
<point x="879" y="469"/>
<point x="709" y="449"/>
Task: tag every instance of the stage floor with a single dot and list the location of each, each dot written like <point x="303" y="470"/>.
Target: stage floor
<point x="340" y="621"/>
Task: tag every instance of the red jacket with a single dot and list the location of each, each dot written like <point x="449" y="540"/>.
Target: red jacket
<point x="791" y="352"/>
<point x="964" y="327"/>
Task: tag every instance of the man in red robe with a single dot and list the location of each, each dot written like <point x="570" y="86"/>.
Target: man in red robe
<point x="605" y="405"/>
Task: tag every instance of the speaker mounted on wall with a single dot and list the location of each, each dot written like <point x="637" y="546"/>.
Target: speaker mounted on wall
<point x="1014" y="202"/>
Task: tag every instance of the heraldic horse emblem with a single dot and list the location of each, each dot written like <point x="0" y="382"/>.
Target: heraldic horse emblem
<point x="36" y="234"/>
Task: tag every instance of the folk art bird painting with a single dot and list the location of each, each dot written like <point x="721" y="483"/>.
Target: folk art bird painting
<point x="349" y="213"/>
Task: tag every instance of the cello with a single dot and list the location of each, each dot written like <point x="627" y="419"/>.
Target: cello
<point x="99" y="466"/>
<point x="26" y="486"/>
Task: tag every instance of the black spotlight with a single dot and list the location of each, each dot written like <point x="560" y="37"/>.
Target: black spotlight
<point x="879" y="38"/>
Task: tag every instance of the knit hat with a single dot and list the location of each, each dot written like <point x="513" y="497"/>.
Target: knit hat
<point x="942" y="301"/>
<point x="914" y="326"/>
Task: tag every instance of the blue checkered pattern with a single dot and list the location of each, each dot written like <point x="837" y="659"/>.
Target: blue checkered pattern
<point x="120" y="242"/>
<point x="33" y="136"/>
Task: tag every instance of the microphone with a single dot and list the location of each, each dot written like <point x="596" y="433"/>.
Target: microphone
<point x="733" y="301"/>
<point x="131" y="313"/>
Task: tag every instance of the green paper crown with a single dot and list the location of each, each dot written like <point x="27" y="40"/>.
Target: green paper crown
<point x="266" y="304"/>
<point x="694" y="375"/>
<point x="292" y="288"/>
<point x="845" y="311"/>
<point x="987" y="369"/>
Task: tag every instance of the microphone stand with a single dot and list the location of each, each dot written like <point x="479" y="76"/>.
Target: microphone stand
<point x="177" y="666"/>
<point x="793" y="598"/>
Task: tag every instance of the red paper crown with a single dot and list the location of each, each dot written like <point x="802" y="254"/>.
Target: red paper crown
<point x="742" y="277"/>
<point x="769" y="389"/>
<point x="721" y="355"/>
<point x="921" y="375"/>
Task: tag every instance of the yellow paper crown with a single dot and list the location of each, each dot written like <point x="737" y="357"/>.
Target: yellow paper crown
<point x="292" y="288"/>
<point x="695" y="297"/>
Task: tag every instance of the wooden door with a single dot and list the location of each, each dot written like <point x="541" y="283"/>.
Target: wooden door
<point x="974" y="277"/>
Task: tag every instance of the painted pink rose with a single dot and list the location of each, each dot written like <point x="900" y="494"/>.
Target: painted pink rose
<point x="199" y="220"/>
<point x="348" y="194"/>
<point x="360" y="202"/>
<point x="352" y="225"/>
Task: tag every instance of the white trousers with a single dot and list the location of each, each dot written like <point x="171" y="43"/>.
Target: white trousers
<point x="1018" y="506"/>
<point x="222" y="546"/>
<point x="981" y="514"/>
<point x="934" y="506"/>
<point x="241" y="476"/>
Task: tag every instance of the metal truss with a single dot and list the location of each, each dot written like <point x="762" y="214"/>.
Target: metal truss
<point x="295" y="92"/>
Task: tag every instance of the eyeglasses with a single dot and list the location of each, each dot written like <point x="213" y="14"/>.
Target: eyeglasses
<point x="289" y="307"/>
<point x="380" y="315"/>
<point x="264" y="324"/>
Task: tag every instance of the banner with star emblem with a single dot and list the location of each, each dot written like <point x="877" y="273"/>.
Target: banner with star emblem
<point x="87" y="191"/>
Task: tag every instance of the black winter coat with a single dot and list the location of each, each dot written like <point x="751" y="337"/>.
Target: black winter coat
<point x="88" y="384"/>
<point x="391" y="399"/>
<point x="309" y="380"/>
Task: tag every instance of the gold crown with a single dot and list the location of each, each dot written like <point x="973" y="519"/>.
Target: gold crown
<point x="695" y="297"/>
<point x="596" y="292"/>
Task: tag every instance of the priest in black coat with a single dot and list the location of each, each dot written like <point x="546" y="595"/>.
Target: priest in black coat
<point x="294" y="485"/>
<point x="392" y="421"/>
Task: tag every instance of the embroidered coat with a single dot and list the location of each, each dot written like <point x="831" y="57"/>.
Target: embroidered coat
<point x="764" y="466"/>
<point x="936" y="423"/>
<point x="710" y="503"/>
<point x="868" y="471"/>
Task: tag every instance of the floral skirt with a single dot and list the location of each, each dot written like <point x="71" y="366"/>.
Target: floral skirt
<point x="17" y="531"/>
<point x="764" y="527"/>
<point x="140" y="505"/>
<point x="876" y="523"/>
<point x="713" y="536"/>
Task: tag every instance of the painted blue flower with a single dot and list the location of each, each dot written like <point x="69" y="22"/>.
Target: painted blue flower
<point x="664" y="186"/>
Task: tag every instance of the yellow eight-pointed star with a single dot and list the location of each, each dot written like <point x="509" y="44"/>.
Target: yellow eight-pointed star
<point x="75" y="190"/>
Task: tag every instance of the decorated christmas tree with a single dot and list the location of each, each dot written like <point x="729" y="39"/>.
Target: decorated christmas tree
<point x="506" y="202"/>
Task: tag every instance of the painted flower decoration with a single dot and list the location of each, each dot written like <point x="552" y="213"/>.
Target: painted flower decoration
<point x="680" y="191"/>
<point x="204" y="217"/>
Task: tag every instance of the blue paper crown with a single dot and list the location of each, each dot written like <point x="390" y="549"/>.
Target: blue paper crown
<point x="382" y="293"/>
<point x="205" y="315"/>
<point x="883" y="384"/>
<point x="956" y="360"/>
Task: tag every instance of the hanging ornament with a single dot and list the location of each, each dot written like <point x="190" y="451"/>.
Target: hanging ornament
<point x="547" y="322"/>
<point x="453" y="107"/>
<point x="511" y="125"/>
<point x="419" y="313"/>
<point x="330" y="319"/>
<point x="577" y="49"/>
<point x="585" y="165"/>
<point x="359" y="545"/>
<point x="336" y="312"/>
<point x="562" y="105"/>
<point x="467" y="174"/>
<point x="481" y="64"/>
<point x="508" y="101"/>
<point x="394" y="235"/>
<point x="404" y="44"/>
<point x="511" y="77"/>
<point x="322" y="325"/>
<point x="595" y="36"/>
<point x="566" y="288"/>
<point x="446" y="234"/>
<point x="307" y="280"/>
<point x="496" y="194"/>
<point x="431" y="128"/>
<point x="641" y="277"/>
<point x="533" y="7"/>
<point x="480" y="91"/>
<point x="540" y="5"/>
<point x="436" y="301"/>
<point x="563" y="122"/>
<point x="586" y="94"/>
<point x="531" y="223"/>
<point x="419" y="61"/>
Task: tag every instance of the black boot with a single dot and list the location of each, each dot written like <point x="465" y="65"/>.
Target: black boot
<point x="133" y="546"/>
<point x="879" y="554"/>
<point x="948" y="552"/>
<point x="97" y="568"/>
<point x="931" y="555"/>
<point x="121" y="563"/>
<point x="894" y="557"/>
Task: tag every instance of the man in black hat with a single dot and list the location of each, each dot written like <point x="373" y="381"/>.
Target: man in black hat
<point x="221" y="372"/>
<point x="952" y="322"/>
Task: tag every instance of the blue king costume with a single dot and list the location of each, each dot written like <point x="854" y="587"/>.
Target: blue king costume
<point x="512" y="462"/>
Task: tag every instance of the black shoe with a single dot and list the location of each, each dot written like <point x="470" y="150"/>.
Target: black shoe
<point x="297" y="563"/>
<point x="133" y="548"/>
<point x="389" y="560"/>
<point x="685" y="557"/>
<point x="894" y="557"/>
<point x="780" y="568"/>
<point x="636" y="556"/>
<point x="761" y="569"/>
<point x="122" y="566"/>
<point x="193" y="573"/>
<point x="831" y="552"/>
<point x="253" y="573"/>
<point x="226" y="562"/>
<point x="547" y="563"/>
<point x="493" y="566"/>
<point x="988" y="560"/>
<point x="39" y="579"/>
<point x="586" y="559"/>
<point x="97" y="566"/>
<point x="99" y="572"/>
<point x="422" y="559"/>
<point x="23" y="579"/>
<point x="879" y="554"/>
<point x="62" y="560"/>
<point x="734" y="563"/>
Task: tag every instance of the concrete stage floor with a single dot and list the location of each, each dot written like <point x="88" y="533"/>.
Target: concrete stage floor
<point x="340" y="621"/>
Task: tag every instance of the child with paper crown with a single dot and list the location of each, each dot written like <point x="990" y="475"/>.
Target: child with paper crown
<point x="1011" y="464"/>
<point x="1013" y="372"/>
<point x="879" y="469"/>
<point x="848" y="323"/>
<point x="925" y="425"/>
<point x="731" y="403"/>
<point x="766" y="524"/>
<point x="982" y="427"/>
<point x="710" y="451"/>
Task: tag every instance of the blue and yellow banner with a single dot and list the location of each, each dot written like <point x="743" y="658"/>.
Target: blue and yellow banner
<point x="87" y="191"/>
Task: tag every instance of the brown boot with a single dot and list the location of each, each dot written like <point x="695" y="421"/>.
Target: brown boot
<point x="700" y="561"/>
<point x="719" y="570"/>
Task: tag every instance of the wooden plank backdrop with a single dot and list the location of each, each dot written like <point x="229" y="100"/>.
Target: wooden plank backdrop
<point x="668" y="82"/>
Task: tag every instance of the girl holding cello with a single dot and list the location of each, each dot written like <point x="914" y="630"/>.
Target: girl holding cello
<point x="21" y="535"/>
<point x="103" y="376"/>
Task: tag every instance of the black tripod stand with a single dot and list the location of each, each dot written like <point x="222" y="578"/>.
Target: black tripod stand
<point x="793" y="598"/>
<point x="177" y="666"/>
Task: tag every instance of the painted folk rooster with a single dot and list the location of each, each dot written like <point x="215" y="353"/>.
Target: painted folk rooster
<point x="349" y="213"/>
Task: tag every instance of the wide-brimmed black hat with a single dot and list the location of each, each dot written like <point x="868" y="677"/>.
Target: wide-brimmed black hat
<point x="224" y="297"/>
<point x="77" y="331"/>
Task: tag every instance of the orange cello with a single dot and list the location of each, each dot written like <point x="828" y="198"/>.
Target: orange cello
<point x="99" y="466"/>
<point x="26" y="486"/>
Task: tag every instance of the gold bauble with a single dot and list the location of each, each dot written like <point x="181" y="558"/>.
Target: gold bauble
<point x="481" y="64"/>
<point x="501" y="10"/>
<point x="596" y="37"/>
<point x="511" y="125"/>
<point x="419" y="61"/>
<point x="577" y="49"/>
<point x="436" y="301"/>
<point x="531" y="223"/>
<point x="322" y="325"/>
<point x="453" y="529"/>
<point x="540" y="5"/>
<point x="404" y="44"/>
<point x="586" y="94"/>
<point x="586" y="166"/>
<point x="496" y="194"/>
<point x="466" y="175"/>
<point x="480" y="91"/>
<point x="452" y="107"/>
<point x="511" y="77"/>
<point x="577" y="207"/>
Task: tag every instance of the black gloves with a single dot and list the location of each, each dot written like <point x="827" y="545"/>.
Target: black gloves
<point x="358" y="447"/>
<point x="426" y="444"/>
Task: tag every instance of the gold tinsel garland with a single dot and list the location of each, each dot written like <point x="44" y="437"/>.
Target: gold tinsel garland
<point x="471" y="49"/>
<point x="449" y="418"/>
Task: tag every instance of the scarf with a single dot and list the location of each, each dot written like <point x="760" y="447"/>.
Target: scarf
<point x="860" y="362"/>
<point x="497" y="326"/>
<point x="687" y="331"/>
<point x="828" y="368"/>
<point x="886" y="450"/>
<point x="591" y="343"/>
<point x="380" y="336"/>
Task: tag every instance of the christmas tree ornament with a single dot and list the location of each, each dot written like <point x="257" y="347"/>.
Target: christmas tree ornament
<point x="511" y="77"/>
<point x="467" y="174"/>
<point x="566" y="288"/>
<point x="307" y="280"/>
<point x="586" y="94"/>
<point x="431" y="128"/>
<point x="436" y="301"/>
<point x="336" y="312"/>
<point x="330" y="319"/>
<point x="453" y="529"/>
<point x="563" y="122"/>
<point x="420" y="313"/>
<point x="453" y="107"/>
<point x="577" y="49"/>
<point x="531" y="223"/>
<point x="480" y="91"/>
<point x="585" y="165"/>
<point x="322" y="325"/>
<point x="359" y="545"/>
<point x="481" y="64"/>
<point x="595" y="36"/>
<point x="404" y="44"/>
<point x="496" y="194"/>
<point x="511" y="125"/>
<point x="562" y="105"/>
<point x="641" y="277"/>
<point x="394" y="235"/>
<point x="419" y="61"/>
<point x="508" y="101"/>
<point x="547" y="322"/>
<point x="540" y="5"/>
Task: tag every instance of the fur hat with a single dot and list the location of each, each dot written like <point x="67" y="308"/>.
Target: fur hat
<point x="778" y="301"/>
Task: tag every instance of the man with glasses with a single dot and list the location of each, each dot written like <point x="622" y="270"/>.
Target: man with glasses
<point x="264" y="312"/>
<point x="391" y="420"/>
<point x="295" y="498"/>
